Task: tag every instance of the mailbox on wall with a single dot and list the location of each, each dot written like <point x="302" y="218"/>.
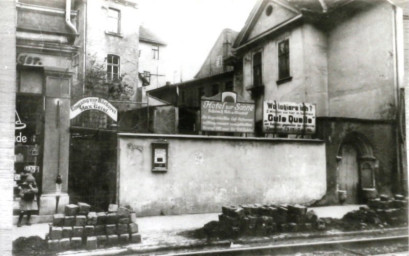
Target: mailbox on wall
<point x="160" y="156"/>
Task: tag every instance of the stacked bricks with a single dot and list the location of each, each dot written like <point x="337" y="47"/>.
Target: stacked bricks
<point x="256" y="219"/>
<point x="80" y="228"/>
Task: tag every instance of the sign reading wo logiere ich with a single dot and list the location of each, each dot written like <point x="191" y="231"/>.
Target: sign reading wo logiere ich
<point x="288" y="117"/>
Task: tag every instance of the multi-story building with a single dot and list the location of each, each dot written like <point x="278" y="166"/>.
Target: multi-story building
<point x="107" y="68"/>
<point x="213" y="77"/>
<point x="152" y="59"/>
<point x="45" y="36"/>
<point x="346" y="57"/>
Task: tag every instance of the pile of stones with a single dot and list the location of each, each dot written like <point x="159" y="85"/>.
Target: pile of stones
<point x="381" y="212"/>
<point x="80" y="228"/>
<point x="256" y="219"/>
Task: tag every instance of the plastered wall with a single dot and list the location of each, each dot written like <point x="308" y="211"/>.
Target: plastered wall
<point x="205" y="173"/>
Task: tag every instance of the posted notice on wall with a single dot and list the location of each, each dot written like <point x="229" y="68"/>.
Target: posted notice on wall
<point x="288" y="117"/>
<point x="219" y="116"/>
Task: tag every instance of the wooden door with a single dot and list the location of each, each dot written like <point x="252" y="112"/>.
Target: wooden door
<point x="348" y="177"/>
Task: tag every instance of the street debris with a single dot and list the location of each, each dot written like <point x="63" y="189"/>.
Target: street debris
<point x="268" y="219"/>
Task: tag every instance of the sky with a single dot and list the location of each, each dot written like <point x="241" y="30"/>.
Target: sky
<point x="190" y="28"/>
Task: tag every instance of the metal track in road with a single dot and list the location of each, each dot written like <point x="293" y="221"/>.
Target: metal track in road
<point x="299" y="247"/>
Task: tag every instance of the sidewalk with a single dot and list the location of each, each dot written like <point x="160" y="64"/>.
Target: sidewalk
<point x="162" y="234"/>
<point x="149" y="226"/>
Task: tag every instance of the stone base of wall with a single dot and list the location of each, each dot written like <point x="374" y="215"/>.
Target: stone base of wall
<point x="48" y="203"/>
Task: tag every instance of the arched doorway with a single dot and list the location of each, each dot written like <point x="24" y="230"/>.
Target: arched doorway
<point x="356" y="169"/>
<point x="348" y="173"/>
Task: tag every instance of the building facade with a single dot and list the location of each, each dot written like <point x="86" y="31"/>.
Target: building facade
<point x="107" y="68"/>
<point x="45" y="50"/>
<point x="330" y="54"/>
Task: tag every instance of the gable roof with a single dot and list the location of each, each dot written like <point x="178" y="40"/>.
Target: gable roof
<point x="145" y="35"/>
<point x="302" y="8"/>
<point x="208" y="69"/>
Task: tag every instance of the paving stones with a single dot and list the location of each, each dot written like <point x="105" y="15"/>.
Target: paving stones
<point x="71" y="210"/>
<point x="81" y="228"/>
<point x="55" y="233"/>
<point x="91" y="243"/>
<point x="80" y="220"/>
<point x="83" y="208"/>
<point x="69" y="221"/>
<point x="58" y="220"/>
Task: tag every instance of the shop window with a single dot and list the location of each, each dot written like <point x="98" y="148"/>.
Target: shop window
<point x="114" y="18"/>
<point x="257" y="73"/>
<point x="29" y="141"/>
<point x="113" y="67"/>
<point x="155" y="52"/>
<point x="283" y="59"/>
<point x="30" y="81"/>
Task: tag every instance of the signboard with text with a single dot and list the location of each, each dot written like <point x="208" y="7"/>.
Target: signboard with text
<point x="94" y="103"/>
<point x="227" y="114"/>
<point x="288" y="117"/>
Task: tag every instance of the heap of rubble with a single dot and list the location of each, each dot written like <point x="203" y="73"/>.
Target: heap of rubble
<point x="79" y="228"/>
<point x="258" y="219"/>
<point x="381" y="212"/>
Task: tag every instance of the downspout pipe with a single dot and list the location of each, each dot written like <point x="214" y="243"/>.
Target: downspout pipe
<point x="68" y="16"/>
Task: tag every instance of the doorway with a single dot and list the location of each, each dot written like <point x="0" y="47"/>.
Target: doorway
<point x="348" y="173"/>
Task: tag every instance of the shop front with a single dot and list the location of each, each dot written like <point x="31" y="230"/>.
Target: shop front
<point x="42" y="127"/>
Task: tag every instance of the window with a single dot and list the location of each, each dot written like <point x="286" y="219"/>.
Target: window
<point x="257" y="75"/>
<point x="113" y="65"/>
<point x="219" y="61"/>
<point x="114" y="17"/>
<point x="215" y="89"/>
<point x="147" y="75"/>
<point x="283" y="59"/>
<point x="155" y="52"/>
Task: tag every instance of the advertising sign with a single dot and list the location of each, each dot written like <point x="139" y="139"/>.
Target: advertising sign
<point x="288" y="117"/>
<point x="94" y="103"/>
<point x="226" y="116"/>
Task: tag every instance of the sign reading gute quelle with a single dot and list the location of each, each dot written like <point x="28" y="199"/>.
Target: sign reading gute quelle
<point x="94" y="103"/>
<point x="289" y="117"/>
<point x="226" y="116"/>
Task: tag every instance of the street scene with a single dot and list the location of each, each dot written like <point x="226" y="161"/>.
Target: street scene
<point x="193" y="127"/>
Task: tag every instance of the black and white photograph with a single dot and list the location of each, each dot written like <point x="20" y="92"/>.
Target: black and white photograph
<point x="204" y="127"/>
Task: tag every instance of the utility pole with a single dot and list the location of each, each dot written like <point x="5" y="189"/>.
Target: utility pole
<point x="7" y="120"/>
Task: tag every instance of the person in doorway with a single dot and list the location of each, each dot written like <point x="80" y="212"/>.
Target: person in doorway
<point x="28" y="204"/>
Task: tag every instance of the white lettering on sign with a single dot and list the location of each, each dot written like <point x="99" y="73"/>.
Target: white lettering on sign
<point x="94" y="103"/>
<point x="227" y="116"/>
<point x="289" y="117"/>
<point x="20" y="138"/>
<point x="28" y="59"/>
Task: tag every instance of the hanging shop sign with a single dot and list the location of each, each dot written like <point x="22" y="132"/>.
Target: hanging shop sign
<point x="288" y="117"/>
<point x="94" y="103"/>
<point x="226" y="113"/>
